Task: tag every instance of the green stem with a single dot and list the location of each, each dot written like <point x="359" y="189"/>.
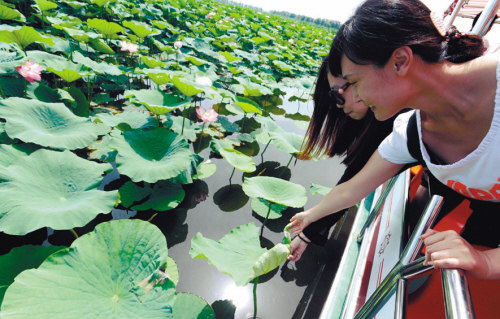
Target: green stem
<point x="265" y="220"/>
<point x="234" y="168"/>
<point x="25" y="88"/>
<point x="73" y="232"/>
<point x="2" y="93"/>
<point x="255" y="282"/>
<point x="182" y="130"/>
<point x="284" y="168"/>
<point x="149" y="220"/>
<point x="262" y="154"/>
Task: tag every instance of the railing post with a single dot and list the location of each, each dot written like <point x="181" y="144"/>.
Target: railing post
<point x="457" y="300"/>
<point x="486" y="17"/>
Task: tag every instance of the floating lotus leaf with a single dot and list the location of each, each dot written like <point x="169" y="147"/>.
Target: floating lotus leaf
<point x="290" y="143"/>
<point x="97" y="67"/>
<point x="23" y="37"/>
<point x="156" y="101"/>
<point x="104" y="27"/>
<point x="46" y="124"/>
<point x="275" y="190"/>
<point x="205" y="170"/>
<point x="152" y="155"/>
<point x="282" y="65"/>
<point x="188" y="306"/>
<point x="261" y="207"/>
<point x="164" y="196"/>
<point x="152" y="63"/>
<point x="112" y="272"/>
<point x="55" y="189"/>
<point x="319" y="189"/>
<point x="253" y="89"/>
<point x="172" y="271"/>
<point x="229" y="57"/>
<point x="159" y="78"/>
<point x="20" y="259"/>
<point x="238" y="254"/>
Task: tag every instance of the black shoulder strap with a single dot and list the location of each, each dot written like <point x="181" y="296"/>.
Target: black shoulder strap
<point x="413" y="142"/>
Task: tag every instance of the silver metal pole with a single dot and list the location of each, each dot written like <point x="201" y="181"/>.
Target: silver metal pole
<point x="457" y="300"/>
<point x="401" y="299"/>
<point x="451" y="18"/>
<point x="486" y="17"/>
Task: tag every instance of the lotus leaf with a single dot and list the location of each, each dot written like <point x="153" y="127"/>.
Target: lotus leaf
<point x="10" y="154"/>
<point x="112" y="272"/>
<point x="205" y="170"/>
<point x="185" y="86"/>
<point x="237" y="159"/>
<point x="261" y="207"/>
<point x="319" y="189"/>
<point x="46" y="124"/>
<point x="159" y="78"/>
<point x="20" y="259"/>
<point x="156" y="101"/>
<point x="290" y="143"/>
<point x="101" y="68"/>
<point x="184" y="127"/>
<point x="165" y="196"/>
<point x="23" y="37"/>
<point x="275" y="190"/>
<point x="100" y="46"/>
<point x="151" y="62"/>
<point x="140" y="29"/>
<point x="104" y="27"/>
<point x="67" y="74"/>
<point x="152" y="155"/>
<point x="7" y="13"/>
<point x="55" y="189"/>
<point x="134" y="119"/>
<point x="247" y="105"/>
<point x="238" y="254"/>
<point x="188" y="306"/>
<point x="45" y="5"/>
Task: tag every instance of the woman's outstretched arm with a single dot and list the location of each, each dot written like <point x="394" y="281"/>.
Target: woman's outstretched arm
<point x="375" y="172"/>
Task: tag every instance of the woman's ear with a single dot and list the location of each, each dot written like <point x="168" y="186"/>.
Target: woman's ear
<point x="401" y="60"/>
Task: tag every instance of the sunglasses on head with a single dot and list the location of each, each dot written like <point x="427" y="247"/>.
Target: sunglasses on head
<point x="337" y="91"/>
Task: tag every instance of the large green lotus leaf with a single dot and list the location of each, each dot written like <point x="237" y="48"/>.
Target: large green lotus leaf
<point x="131" y="193"/>
<point x="104" y="150"/>
<point x="165" y="196"/>
<point x="67" y="74"/>
<point x="283" y="66"/>
<point x="159" y="78"/>
<point x="55" y="189"/>
<point x="20" y="259"/>
<point x="10" y="154"/>
<point x="99" y="45"/>
<point x="185" y="86"/>
<point x="156" y="101"/>
<point x="239" y="254"/>
<point x="112" y="272"/>
<point x="140" y="29"/>
<point x="104" y="27"/>
<point x="237" y="159"/>
<point x="23" y="37"/>
<point x="205" y="170"/>
<point x="132" y="119"/>
<point x="248" y="105"/>
<point x="287" y="142"/>
<point x="275" y="190"/>
<point x="196" y="61"/>
<point x="172" y="271"/>
<point x="45" y="5"/>
<point x="319" y="189"/>
<point x="46" y="124"/>
<point x="7" y="13"/>
<point x="97" y="67"/>
<point x="261" y="207"/>
<point x="253" y="89"/>
<point x="80" y="35"/>
<point x="152" y="62"/>
<point x="229" y="57"/>
<point x="152" y="155"/>
<point x="184" y="127"/>
<point x="188" y="306"/>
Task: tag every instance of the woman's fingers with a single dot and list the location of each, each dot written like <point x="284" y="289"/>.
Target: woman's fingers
<point x="297" y="247"/>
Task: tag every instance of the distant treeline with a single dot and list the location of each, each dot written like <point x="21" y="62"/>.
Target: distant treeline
<point x="322" y="22"/>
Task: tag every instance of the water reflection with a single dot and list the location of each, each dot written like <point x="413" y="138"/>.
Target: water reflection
<point x="240" y="297"/>
<point x="230" y="198"/>
<point x="223" y="309"/>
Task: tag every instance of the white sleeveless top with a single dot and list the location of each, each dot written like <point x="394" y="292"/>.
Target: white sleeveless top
<point x="476" y="176"/>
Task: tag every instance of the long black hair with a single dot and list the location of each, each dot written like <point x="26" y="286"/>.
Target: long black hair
<point x="378" y="27"/>
<point x="331" y="132"/>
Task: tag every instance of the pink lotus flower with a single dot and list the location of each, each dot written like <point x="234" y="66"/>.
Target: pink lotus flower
<point x="316" y="41"/>
<point x="292" y="41"/>
<point x="211" y="15"/>
<point x="177" y="45"/>
<point x="127" y="46"/>
<point x="206" y="116"/>
<point x="31" y="71"/>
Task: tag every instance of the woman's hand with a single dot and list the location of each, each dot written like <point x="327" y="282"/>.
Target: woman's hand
<point x="300" y="221"/>
<point x="297" y="248"/>
<point x="448" y="249"/>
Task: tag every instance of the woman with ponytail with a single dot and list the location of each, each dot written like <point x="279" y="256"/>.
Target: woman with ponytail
<point x="396" y="55"/>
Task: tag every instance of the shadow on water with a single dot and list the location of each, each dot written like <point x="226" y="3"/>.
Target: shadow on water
<point x="277" y="225"/>
<point x="230" y="198"/>
<point x="224" y="309"/>
<point x="273" y="169"/>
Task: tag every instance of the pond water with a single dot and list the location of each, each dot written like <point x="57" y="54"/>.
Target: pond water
<point x="214" y="206"/>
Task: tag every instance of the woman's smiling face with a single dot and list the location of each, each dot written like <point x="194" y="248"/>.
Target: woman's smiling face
<point x="375" y="87"/>
<point x="353" y="106"/>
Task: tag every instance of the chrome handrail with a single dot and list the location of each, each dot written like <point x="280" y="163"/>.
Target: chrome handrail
<point x="449" y="20"/>
<point x="388" y="285"/>
<point x="457" y="300"/>
<point x="486" y="17"/>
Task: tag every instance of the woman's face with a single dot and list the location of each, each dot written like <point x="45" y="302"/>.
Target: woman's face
<point x="376" y="87"/>
<point x="353" y="106"/>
